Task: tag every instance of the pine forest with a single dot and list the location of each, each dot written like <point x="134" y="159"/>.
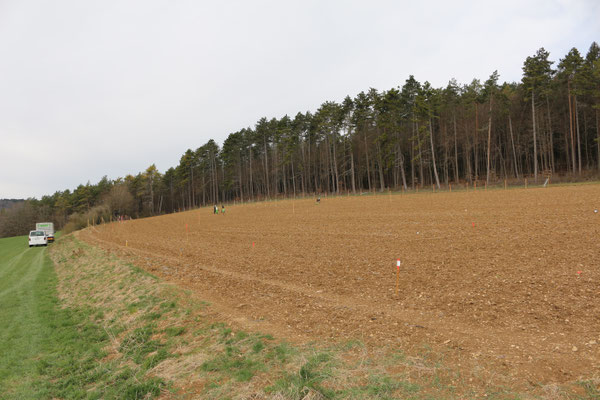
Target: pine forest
<point x="409" y="137"/>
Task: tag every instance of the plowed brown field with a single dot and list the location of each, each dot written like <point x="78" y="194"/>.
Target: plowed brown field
<point x="503" y="284"/>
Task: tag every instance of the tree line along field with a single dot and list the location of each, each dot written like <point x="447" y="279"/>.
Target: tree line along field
<point x="411" y="136"/>
<point x="502" y="284"/>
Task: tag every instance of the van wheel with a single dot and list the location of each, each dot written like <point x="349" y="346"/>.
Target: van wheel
<point x="30" y="245"/>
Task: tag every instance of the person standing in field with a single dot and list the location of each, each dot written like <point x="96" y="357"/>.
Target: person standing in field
<point x="223" y="209"/>
<point x="215" y="209"/>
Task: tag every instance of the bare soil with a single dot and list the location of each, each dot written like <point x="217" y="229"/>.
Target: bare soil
<point x="503" y="285"/>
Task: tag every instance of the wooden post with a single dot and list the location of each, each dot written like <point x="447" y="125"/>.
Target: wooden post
<point x="450" y="187"/>
<point x="397" y="281"/>
<point x="397" y="276"/>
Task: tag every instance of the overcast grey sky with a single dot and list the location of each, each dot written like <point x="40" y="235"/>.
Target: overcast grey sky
<point x="94" y="88"/>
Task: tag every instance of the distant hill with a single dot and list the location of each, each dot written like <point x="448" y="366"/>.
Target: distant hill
<point x="8" y="203"/>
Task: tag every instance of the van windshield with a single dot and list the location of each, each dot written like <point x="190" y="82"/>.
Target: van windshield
<point x="37" y="233"/>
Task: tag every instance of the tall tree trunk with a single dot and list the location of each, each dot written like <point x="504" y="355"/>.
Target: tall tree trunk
<point x="275" y="180"/>
<point x="315" y="172"/>
<point x="152" y="194"/>
<point x="367" y="157"/>
<point x="573" y="158"/>
<point x="567" y="153"/>
<point x="421" y="174"/>
<point x="328" y="164"/>
<point x="309" y="168"/>
<point x="396" y="157"/>
<point x="402" y="173"/>
<point x="303" y="173"/>
<point x="203" y="191"/>
<point x="578" y="136"/>
<point x="550" y="133"/>
<point x="212" y="181"/>
<point x="535" y="161"/>
<point x="190" y="191"/>
<point x="598" y="135"/>
<point x="456" y="177"/>
<point x="223" y="177"/>
<point x="380" y="168"/>
<point x="284" y="179"/>
<point x="588" y="162"/>
<point x="446" y="173"/>
<point x="266" y="164"/>
<point x="401" y="159"/>
<point x="489" y="144"/>
<point x="512" y="140"/>
<point x="293" y="178"/>
<point x="216" y="174"/>
<point x="435" y="173"/>
<point x="216" y="169"/>
<point x="412" y="163"/>
<point x="467" y="152"/>
<point x="240" y="177"/>
<point x="335" y="166"/>
<point x="475" y="144"/>
<point x="352" y="171"/>
<point x="251" y="182"/>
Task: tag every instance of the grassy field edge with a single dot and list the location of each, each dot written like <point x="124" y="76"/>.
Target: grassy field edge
<point x="48" y="350"/>
<point x="82" y="323"/>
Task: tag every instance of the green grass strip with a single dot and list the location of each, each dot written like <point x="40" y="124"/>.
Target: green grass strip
<point x="47" y="351"/>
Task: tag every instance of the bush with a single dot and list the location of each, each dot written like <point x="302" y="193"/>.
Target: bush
<point x="94" y="216"/>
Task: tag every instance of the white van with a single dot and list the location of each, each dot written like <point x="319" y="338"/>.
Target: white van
<point x="38" y="238"/>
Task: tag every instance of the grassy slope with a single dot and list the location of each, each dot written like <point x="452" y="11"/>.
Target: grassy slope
<point x="47" y="351"/>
